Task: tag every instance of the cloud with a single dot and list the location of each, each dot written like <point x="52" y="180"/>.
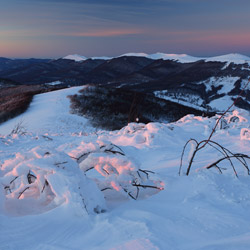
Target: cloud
<point x="104" y="33"/>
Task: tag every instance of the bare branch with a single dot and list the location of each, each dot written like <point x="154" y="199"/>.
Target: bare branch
<point x="228" y="155"/>
<point x="20" y="194"/>
<point x="183" y="151"/>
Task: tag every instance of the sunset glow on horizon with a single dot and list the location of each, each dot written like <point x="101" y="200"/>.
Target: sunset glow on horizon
<point x="51" y="29"/>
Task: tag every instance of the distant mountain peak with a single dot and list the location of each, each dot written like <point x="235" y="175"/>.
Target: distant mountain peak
<point x="76" y="57"/>
<point x="232" y="57"/>
<point x="184" y="58"/>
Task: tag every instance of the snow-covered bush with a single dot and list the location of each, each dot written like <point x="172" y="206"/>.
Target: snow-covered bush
<point x="245" y="134"/>
<point x="43" y="179"/>
<point x="233" y="121"/>
<point x="114" y="173"/>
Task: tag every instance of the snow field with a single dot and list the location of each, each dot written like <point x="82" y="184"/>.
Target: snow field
<point x="205" y="210"/>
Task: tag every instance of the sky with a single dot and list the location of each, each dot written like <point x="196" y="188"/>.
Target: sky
<point x="56" y="28"/>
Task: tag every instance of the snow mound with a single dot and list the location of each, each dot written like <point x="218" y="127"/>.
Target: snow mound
<point x="43" y="179"/>
<point x="76" y="58"/>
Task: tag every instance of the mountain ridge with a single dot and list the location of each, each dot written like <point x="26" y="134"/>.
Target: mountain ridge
<point x="167" y="78"/>
<point x="236" y="58"/>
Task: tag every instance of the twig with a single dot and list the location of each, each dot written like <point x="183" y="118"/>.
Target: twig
<point x="146" y="186"/>
<point x="145" y="172"/>
<point x="105" y="171"/>
<point x="14" y="179"/>
<point x="22" y="192"/>
<point x="183" y="151"/>
<point x="45" y="184"/>
<point x="113" y="151"/>
<point x="228" y="157"/>
<point x="7" y="188"/>
<point x="107" y="188"/>
<point x="47" y="138"/>
<point x="89" y="169"/>
<point x="60" y="163"/>
<point x="29" y="177"/>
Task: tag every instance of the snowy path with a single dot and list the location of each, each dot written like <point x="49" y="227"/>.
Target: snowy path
<point x="48" y="113"/>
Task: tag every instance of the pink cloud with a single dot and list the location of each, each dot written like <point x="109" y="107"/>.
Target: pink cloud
<point x="105" y="33"/>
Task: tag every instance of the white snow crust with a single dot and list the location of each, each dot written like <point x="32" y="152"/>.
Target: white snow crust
<point x="203" y="211"/>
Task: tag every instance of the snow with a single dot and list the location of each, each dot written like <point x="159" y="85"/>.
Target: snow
<point x="226" y="83"/>
<point x="101" y="57"/>
<point x="48" y="113"/>
<point x="76" y="57"/>
<point x="189" y="100"/>
<point x="135" y="54"/>
<point x="182" y="58"/>
<point x="54" y="83"/>
<point x="230" y="58"/>
<point x="79" y="58"/>
<point x="205" y="210"/>
<point x="221" y="103"/>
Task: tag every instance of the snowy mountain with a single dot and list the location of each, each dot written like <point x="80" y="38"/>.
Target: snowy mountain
<point x="183" y="58"/>
<point x="231" y="58"/>
<point x="71" y="186"/>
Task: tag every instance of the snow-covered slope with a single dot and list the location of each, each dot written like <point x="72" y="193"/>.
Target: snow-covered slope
<point x="48" y="112"/>
<point x="51" y="180"/>
<point x="218" y="90"/>
<point x="234" y="58"/>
